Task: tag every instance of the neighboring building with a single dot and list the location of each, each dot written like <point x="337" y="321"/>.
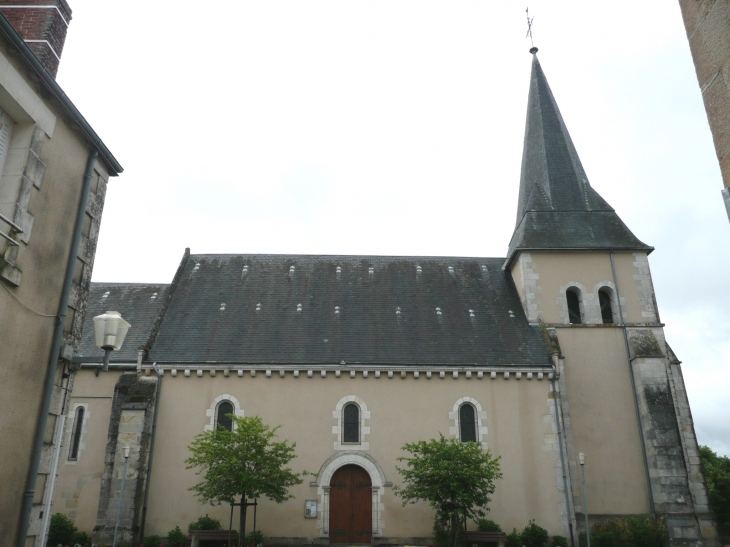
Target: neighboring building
<point x="553" y="350"/>
<point x="54" y="169"/>
<point x="708" y="30"/>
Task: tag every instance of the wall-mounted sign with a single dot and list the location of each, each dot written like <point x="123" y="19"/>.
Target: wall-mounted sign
<point x="310" y="509"/>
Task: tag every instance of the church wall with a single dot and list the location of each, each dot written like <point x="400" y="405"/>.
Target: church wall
<point x="519" y="427"/>
<point x="603" y="421"/>
<point x="77" y="489"/>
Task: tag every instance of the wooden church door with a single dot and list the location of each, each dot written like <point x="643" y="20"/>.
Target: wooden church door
<point x="351" y="506"/>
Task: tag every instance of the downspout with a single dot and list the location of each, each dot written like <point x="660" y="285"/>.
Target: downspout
<point x="558" y="421"/>
<point x="152" y="446"/>
<point x="27" y="503"/>
<point x="633" y="387"/>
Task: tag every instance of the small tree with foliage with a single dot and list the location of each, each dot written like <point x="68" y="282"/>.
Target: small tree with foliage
<point x="61" y="530"/>
<point x="717" y="475"/>
<point x="243" y="463"/>
<point x="455" y="478"/>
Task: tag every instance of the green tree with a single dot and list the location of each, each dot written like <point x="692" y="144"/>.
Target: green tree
<point x="717" y="475"/>
<point x="61" y="530"/>
<point x="455" y="478"/>
<point x="243" y="463"/>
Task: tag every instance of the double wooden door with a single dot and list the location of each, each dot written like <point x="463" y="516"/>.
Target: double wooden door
<point x="351" y="506"/>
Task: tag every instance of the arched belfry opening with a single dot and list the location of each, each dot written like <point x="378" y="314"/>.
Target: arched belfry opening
<point x="351" y="506"/>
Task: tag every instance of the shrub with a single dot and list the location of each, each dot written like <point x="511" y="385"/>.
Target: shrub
<point x="514" y="539"/>
<point x="205" y="523"/>
<point x="153" y="541"/>
<point x="255" y="538"/>
<point x="486" y="525"/>
<point x="81" y="538"/>
<point x="534" y="536"/>
<point x="175" y="537"/>
<point x="637" y="531"/>
<point x="61" y="530"/>
<point x="560" y="541"/>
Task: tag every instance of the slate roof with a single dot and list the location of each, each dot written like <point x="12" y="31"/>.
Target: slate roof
<point x="558" y="208"/>
<point x="213" y="317"/>
<point x="139" y="304"/>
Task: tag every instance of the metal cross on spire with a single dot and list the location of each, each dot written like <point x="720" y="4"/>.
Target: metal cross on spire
<point x="533" y="49"/>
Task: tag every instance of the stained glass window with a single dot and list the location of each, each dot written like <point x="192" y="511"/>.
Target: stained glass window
<point x="467" y="424"/>
<point x="351" y="423"/>
<point x="223" y="420"/>
<point x="73" y="454"/>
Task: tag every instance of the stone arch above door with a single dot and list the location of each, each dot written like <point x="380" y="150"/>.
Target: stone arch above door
<point x="377" y="476"/>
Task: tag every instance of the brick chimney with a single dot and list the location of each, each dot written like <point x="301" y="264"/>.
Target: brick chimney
<point x="42" y="24"/>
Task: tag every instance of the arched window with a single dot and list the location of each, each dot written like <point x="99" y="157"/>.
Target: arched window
<point x="223" y="420"/>
<point x="604" y="299"/>
<point x="351" y="423"/>
<point x="73" y="454"/>
<point x="573" y="297"/>
<point x="467" y="424"/>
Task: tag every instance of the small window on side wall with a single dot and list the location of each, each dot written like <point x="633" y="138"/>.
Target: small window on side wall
<point x="351" y="423"/>
<point x="223" y="420"/>
<point x="573" y="297"/>
<point x="467" y="424"/>
<point x="73" y="454"/>
<point x="604" y="299"/>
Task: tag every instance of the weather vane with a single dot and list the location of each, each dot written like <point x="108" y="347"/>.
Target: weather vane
<point x="533" y="49"/>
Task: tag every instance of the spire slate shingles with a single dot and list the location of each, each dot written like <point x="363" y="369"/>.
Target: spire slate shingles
<point x="366" y="331"/>
<point x="558" y="208"/>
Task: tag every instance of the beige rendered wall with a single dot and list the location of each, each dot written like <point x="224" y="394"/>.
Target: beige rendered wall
<point x="603" y="420"/>
<point x="77" y="487"/>
<point x="517" y="417"/>
<point x="543" y="277"/>
<point x="26" y="335"/>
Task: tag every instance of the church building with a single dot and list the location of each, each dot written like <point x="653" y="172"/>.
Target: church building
<point x="554" y="350"/>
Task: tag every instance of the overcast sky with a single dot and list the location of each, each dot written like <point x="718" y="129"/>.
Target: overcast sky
<point x="396" y="128"/>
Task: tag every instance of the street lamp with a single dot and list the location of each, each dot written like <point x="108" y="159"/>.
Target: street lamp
<point x="110" y="330"/>
<point x="121" y="493"/>
<point x="582" y="458"/>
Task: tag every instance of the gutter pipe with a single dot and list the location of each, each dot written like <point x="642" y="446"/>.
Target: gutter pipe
<point x="27" y="502"/>
<point x="633" y="387"/>
<point x="152" y="448"/>
<point x="9" y="33"/>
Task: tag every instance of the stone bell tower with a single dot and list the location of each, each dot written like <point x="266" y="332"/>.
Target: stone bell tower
<point x="585" y="277"/>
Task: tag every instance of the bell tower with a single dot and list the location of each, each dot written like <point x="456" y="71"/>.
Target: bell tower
<point x="585" y="277"/>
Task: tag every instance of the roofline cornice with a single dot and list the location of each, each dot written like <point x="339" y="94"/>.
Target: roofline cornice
<point x="49" y="82"/>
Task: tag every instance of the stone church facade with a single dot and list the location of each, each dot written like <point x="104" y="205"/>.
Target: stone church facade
<point x="554" y="350"/>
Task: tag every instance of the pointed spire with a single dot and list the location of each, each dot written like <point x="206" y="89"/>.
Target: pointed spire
<point x="557" y="207"/>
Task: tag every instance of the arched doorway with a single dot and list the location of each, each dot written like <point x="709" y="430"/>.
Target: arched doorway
<point x="351" y="506"/>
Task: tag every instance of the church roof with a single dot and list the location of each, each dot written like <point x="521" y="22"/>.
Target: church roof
<point x="139" y="304"/>
<point x="276" y="309"/>
<point x="558" y="208"/>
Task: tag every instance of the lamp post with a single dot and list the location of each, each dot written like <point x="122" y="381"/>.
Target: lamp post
<point x="109" y="330"/>
<point x="121" y="494"/>
<point x="582" y="458"/>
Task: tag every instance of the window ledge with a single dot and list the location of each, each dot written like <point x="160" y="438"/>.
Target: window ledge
<point x="10" y="272"/>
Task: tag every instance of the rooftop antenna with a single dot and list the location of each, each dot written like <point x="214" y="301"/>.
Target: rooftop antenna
<point x="533" y="49"/>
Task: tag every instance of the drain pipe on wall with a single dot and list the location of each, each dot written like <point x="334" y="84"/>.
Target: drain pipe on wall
<point x="558" y="419"/>
<point x="35" y="462"/>
<point x="633" y="386"/>
<point x="152" y="446"/>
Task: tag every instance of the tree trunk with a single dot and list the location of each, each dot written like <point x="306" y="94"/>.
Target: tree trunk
<point x="453" y="530"/>
<point x="242" y="523"/>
